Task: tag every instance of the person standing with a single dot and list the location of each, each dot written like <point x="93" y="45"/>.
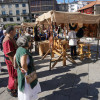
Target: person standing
<point x="9" y="49"/>
<point x="24" y="60"/>
<point x="1" y="39"/>
<point x="28" y="33"/>
<point x="72" y="41"/>
<point x="36" y="33"/>
<point x="59" y="30"/>
<point x="1" y="31"/>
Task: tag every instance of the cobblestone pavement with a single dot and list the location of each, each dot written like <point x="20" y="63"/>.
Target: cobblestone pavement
<point x="79" y="81"/>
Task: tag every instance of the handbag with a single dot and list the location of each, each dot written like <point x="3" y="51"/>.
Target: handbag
<point x="31" y="77"/>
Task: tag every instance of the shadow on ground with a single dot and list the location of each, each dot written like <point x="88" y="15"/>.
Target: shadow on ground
<point x="61" y="69"/>
<point x="3" y="64"/>
<point x="3" y="82"/>
<point x="67" y="87"/>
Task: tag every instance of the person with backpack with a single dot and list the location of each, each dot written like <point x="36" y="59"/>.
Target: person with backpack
<point x="72" y="41"/>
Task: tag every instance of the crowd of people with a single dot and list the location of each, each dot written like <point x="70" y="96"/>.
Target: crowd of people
<point x="18" y="58"/>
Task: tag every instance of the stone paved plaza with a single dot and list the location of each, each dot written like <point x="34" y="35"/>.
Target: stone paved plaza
<point x="80" y="81"/>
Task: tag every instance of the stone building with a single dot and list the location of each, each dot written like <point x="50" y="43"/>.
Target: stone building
<point x="38" y="7"/>
<point x="75" y="5"/>
<point x="62" y="7"/>
<point x="13" y="11"/>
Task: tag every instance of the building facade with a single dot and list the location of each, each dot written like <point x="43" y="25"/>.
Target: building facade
<point x="97" y="9"/>
<point x="92" y="8"/>
<point x="13" y="11"/>
<point x="74" y="6"/>
<point x="38" y="7"/>
<point x="62" y="7"/>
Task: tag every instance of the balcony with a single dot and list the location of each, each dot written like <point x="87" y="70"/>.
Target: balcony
<point x="24" y="14"/>
<point x="4" y="15"/>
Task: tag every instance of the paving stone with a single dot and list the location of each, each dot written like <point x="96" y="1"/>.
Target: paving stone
<point x="79" y="81"/>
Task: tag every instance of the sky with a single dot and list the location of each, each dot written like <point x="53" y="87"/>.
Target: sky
<point x="59" y="1"/>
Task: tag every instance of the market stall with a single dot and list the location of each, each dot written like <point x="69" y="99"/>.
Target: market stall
<point x="92" y="22"/>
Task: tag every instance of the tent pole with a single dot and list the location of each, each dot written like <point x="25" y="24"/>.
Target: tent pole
<point x="65" y="31"/>
<point x="98" y="40"/>
<point x="97" y="48"/>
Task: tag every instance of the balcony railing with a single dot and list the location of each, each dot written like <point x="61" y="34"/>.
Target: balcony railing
<point x="5" y="15"/>
<point x="24" y="14"/>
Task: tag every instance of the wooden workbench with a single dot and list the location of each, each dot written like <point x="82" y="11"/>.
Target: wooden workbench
<point x="84" y="50"/>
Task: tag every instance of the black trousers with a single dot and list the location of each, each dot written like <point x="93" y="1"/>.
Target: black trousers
<point x="73" y="50"/>
<point x="1" y="47"/>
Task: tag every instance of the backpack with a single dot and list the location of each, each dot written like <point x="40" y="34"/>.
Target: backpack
<point x="80" y="33"/>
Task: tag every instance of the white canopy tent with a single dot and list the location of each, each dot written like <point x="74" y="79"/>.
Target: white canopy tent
<point x="28" y="24"/>
<point x="67" y="17"/>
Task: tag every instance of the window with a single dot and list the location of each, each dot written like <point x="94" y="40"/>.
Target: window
<point x="25" y="18"/>
<point x="3" y="6"/>
<point x="11" y="19"/>
<point x="33" y="20"/>
<point x="23" y="5"/>
<point x="10" y="12"/>
<point x="3" y="12"/>
<point x="24" y="12"/>
<point x="9" y="6"/>
<point x="16" y="5"/>
<point x="72" y="8"/>
<point x="72" y="5"/>
<point x="18" y="18"/>
<point x="4" y="19"/>
<point x="17" y="12"/>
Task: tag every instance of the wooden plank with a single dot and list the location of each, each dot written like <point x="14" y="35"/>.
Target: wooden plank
<point x="64" y="54"/>
<point x="56" y="52"/>
<point x="56" y="61"/>
<point x="46" y="54"/>
<point x="53" y="60"/>
<point x="70" y="58"/>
